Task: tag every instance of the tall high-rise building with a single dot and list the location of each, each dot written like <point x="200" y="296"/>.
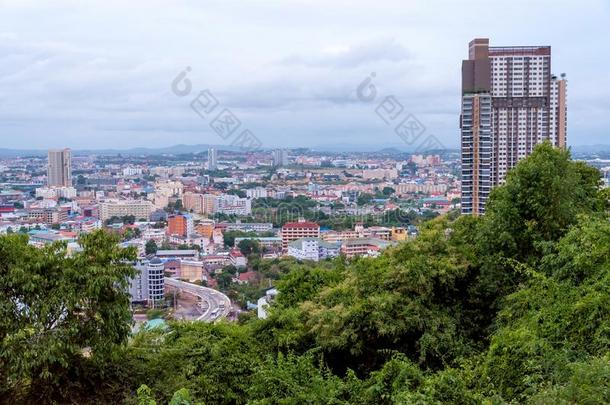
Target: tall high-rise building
<point x="212" y="159"/>
<point x="510" y="103"/>
<point x="59" y="168"/>
<point x="280" y="158"/>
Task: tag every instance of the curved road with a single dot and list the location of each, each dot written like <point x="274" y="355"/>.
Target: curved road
<point x="219" y="305"/>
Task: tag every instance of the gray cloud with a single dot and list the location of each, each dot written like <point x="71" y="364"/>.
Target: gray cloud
<point x="382" y="50"/>
<point x="98" y="74"/>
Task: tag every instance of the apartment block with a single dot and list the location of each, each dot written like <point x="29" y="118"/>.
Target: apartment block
<point x="315" y="249"/>
<point x="180" y="225"/>
<point x="232" y="205"/>
<point x="212" y="159"/>
<point x="296" y="230"/>
<point x="140" y="209"/>
<point x="59" y="168"/>
<point x="510" y="103"/>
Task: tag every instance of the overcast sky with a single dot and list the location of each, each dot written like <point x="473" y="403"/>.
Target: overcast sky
<point x="98" y="74"/>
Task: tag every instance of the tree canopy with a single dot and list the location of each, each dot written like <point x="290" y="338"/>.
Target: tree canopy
<point x="57" y="308"/>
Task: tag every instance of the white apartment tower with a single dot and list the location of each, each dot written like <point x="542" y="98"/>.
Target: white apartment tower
<point x="510" y="103"/>
<point x="212" y="159"/>
<point x="59" y="168"/>
<point x="280" y="158"/>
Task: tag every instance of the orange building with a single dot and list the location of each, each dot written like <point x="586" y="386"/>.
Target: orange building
<point x="205" y="229"/>
<point x="180" y="224"/>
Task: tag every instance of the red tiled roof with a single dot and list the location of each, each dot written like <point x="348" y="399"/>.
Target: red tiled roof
<point x="236" y="253"/>
<point x="247" y="276"/>
<point x="68" y="233"/>
<point x="305" y="224"/>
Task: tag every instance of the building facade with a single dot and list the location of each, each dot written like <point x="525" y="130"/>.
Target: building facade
<point x="257" y="192"/>
<point x="296" y="230"/>
<point x="315" y="249"/>
<point x="148" y="285"/>
<point x="232" y="205"/>
<point x="369" y="247"/>
<point x="212" y="159"/>
<point x="280" y="158"/>
<point x="180" y="225"/>
<point x="140" y="209"/>
<point x="510" y="103"/>
<point x="49" y="216"/>
<point x="193" y="202"/>
<point x="59" y="168"/>
<point x="258" y="227"/>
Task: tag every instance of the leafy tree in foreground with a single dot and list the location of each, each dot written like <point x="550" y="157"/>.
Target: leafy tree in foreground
<point x="57" y="310"/>
<point x="541" y="200"/>
<point x="543" y="197"/>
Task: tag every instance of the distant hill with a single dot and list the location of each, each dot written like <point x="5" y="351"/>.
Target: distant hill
<point x="590" y="148"/>
<point x="173" y="150"/>
<point x="383" y="148"/>
<point x="181" y="148"/>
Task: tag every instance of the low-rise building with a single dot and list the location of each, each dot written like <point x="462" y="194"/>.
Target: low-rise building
<point x="237" y="258"/>
<point x="266" y="242"/>
<point x="180" y="225"/>
<point x="56" y="192"/>
<point x="47" y="216"/>
<point x="258" y="192"/>
<point x="191" y="270"/>
<point x="178" y="254"/>
<point x="314" y="249"/>
<point x="233" y="205"/>
<point x="41" y="238"/>
<point x="363" y="247"/>
<point x="257" y="227"/>
<point x="264" y="302"/>
<point x="140" y="209"/>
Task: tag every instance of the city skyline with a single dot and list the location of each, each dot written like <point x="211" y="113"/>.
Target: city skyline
<point x="71" y="86"/>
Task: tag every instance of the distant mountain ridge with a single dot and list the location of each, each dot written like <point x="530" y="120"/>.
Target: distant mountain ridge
<point x="183" y="149"/>
<point x="175" y="149"/>
<point x="590" y="148"/>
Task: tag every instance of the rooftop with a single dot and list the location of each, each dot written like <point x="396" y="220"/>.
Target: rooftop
<point x="303" y="224"/>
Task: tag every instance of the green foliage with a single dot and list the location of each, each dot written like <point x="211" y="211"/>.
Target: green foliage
<point x="303" y="282"/>
<point x="588" y="383"/>
<point x="387" y="191"/>
<point x="229" y="236"/>
<point x="295" y="379"/>
<point x="249" y="247"/>
<point x="145" y="396"/>
<point x="214" y="362"/>
<point x="155" y="313"/>
<point x="398" y="375"/>
<point x="55" y="308"/>
<point x="400" y="301"/>
<point x="542" y="198"/>
<point x="151" y="247"/>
